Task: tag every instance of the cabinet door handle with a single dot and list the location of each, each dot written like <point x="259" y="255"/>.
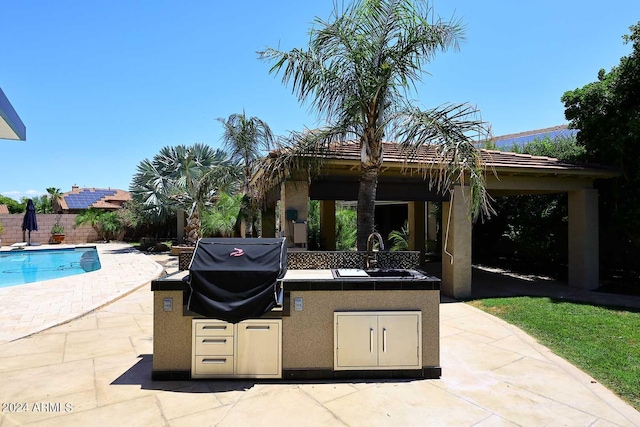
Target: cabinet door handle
<point x="259" y="327"/>
<point x="384" y="340"/>
<point x="371" y="340"/>
<point x="214" y="361"/>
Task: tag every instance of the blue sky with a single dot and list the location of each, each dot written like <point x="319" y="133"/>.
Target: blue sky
<point x="104" y="84"/>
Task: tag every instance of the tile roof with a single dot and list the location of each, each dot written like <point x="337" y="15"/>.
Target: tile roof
<point x="394" y="153"/>
<point x="4" y="209"/>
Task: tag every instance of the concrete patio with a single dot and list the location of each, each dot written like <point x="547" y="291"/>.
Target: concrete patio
<point x="96" y="370"/>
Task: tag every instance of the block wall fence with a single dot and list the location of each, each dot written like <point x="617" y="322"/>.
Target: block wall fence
<point x="13" y="229"/>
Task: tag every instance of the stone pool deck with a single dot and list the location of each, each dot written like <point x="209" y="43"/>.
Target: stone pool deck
<point x="30" y="308"/>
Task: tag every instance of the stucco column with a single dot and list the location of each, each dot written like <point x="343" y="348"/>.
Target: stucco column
<point x="268" y="223"/>
<point x="416" y="229"/>
<point x="328" y="225"/>
<point x="456" y="245"/>
<point x="584" y="260"/>
<point x="294" y="196"/>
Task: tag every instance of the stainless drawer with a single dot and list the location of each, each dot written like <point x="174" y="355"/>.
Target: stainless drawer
<point x="214" y="346"/>
<point x="213" y="328"/>
<point x="213" y="365"/>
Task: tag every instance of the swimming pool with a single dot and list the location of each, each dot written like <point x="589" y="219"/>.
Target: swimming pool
<point x="28" y="266"/>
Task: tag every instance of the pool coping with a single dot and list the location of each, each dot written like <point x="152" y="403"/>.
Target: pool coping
<point x="33" y="307"/>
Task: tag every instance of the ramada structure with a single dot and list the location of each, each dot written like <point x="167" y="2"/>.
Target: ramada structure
<point x="405" y="180"/>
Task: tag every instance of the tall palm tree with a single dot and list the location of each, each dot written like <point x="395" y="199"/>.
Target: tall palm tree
<point x="54" y="198"/>
<point x="247" y="139"/>
<point x="358" y="71"/>
<point x="186" y="178"/>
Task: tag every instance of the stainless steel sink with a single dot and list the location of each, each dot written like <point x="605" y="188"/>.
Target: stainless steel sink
<point x="390" y="273"/>
<point x="382" y="273"/>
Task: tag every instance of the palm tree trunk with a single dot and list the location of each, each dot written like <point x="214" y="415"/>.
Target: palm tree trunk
<point x="193" y="227"/>
<point x="366" y="205"/>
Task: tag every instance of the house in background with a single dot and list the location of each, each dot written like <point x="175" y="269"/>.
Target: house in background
<point x="80" y="199"/>
<point x="11" y="127"/>
<point x="507" y="141"/>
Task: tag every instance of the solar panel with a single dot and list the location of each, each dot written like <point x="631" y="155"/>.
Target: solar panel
<point x="86" y="198"/>
<point x="521" y="140"/>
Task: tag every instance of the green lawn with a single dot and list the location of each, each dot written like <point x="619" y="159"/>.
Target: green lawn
<point x="604" y="342"/>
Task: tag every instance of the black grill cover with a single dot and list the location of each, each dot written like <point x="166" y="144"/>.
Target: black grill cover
<point x="236" y="279"/>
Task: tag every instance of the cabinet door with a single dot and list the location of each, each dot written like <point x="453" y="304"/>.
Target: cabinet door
<point x="356" y="341"/>
<point x="399" y="340"/>
<point x="259" y="348"/>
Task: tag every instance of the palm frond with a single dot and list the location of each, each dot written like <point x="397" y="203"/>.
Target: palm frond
<point x="450" y="132"/>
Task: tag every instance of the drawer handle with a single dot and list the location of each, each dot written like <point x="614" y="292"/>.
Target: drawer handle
<point x="259" y="327"/>
<point x="214" y="361"/>
<point x="212" y="341"/>
<point x="370" y="340"/>
<point x="215" y="327"/>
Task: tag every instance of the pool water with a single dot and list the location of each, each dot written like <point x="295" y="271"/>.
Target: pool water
<point x="28" y="266"/>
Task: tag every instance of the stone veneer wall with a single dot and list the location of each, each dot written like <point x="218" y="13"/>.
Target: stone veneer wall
<point x="13" y="229"/>
<point x="311" y="260"/>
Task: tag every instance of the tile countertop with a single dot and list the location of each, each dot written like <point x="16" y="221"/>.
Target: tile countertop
<point x="319" y="280"/>
<point x="324" y="280"/>
<point x="308" y="275"/>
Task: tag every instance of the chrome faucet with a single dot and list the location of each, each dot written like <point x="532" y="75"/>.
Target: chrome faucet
<point x="369" y="261"/>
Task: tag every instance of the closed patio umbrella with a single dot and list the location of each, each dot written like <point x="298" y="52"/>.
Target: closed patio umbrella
<point x="29" y="221"/>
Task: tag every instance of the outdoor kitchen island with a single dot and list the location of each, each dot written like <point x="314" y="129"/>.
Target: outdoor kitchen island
<point x="329" y="325"/>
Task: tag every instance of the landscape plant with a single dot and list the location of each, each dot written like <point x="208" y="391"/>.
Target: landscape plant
<point x="357" y="73"/>
<point x="187" y="178"/>
<point x="107" y="225"/>
<point x="399" y="239"/>
<point x="346" y="229"/>
<point x="42" y="204"/>
<point x="57" y="227"/>
<point x="221" y="219"/>
<point x="313" y="226"/>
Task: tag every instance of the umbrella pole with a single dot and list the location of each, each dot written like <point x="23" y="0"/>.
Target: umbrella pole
<point x="29" y="244"/>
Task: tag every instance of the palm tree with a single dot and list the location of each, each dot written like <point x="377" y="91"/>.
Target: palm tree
<point x="186" y="178"/>
<point x="357" y="72"/>
<point x="54" y="197"/>
<point x="221" y="219"/>
<point x="247" y="139"/>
